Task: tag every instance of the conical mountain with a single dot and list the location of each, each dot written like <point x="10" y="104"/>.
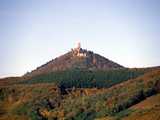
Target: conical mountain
<point x="76" y="58"/>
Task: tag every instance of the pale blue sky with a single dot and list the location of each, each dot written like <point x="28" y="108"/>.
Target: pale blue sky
<point x="33" y="32"/>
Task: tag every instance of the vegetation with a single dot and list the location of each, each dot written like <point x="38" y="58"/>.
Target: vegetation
<point x="81" y="99"/>
<point x="87" y="79"/>
<point x="112" y="101"/>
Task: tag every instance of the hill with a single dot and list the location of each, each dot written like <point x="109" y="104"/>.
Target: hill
<point x="77" y="58"/>
<point x="81" y="85"/>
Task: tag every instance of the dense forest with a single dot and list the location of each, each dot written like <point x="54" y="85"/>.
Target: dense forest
<point x="87" y="79"/>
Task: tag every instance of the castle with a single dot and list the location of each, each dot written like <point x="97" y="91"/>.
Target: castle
<point x="78" y="51"/>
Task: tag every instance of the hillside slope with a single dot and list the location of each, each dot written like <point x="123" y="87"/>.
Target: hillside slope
<point x="46" y="101"/>
<point x="149" y="109"/>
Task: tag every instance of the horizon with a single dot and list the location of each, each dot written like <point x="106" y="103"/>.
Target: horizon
<point x="35" y="32"/>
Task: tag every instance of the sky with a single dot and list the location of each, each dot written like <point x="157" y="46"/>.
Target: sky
<point x="33" y="32"/>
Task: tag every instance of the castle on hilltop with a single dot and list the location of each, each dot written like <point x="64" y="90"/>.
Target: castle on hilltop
<point x="78" y="51"/>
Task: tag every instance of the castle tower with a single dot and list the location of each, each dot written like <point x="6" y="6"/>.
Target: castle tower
<point x="78" y="51"/>
<point x="78" y="45"/>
